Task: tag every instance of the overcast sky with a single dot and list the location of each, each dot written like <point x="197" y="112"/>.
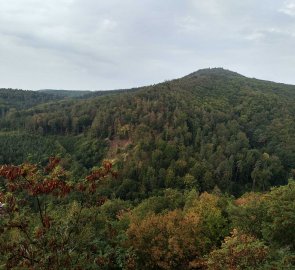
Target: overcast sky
<point x="109" y="44"/>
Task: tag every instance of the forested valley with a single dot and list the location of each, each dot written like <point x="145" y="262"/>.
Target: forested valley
<point x="193" y="173"/>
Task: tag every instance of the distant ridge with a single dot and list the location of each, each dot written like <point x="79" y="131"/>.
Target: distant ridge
<point x="66" y="93"/>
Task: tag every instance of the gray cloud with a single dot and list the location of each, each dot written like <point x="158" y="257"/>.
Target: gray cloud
<point x="90" y="44"/>
<point x="288" y="8"/>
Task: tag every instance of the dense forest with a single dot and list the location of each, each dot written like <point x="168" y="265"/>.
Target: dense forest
<point x="211" y="128"/>
<point x="193" y="173"/>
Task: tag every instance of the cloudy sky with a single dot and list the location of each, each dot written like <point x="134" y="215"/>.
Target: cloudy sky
<point x="108" y="44"/>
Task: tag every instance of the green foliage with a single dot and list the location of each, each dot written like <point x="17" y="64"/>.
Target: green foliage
<point x="278" y="227"/>
<point x="170" y="200"/>
<point x="269" y="216"/>
<point x="248" y="213"/>
<point x="80" y="153"/>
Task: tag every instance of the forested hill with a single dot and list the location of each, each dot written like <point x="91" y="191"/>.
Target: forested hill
<point x="11" y="99"/>
<point x="212" y="128"/>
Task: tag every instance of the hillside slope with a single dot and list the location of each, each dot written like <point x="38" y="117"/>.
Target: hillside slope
<point x="211" y="128"/>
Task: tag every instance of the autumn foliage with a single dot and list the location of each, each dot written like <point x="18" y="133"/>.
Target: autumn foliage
<point x="239" y="251"/>
<point x="178" y="239"/>
<point x="39" y="228"/>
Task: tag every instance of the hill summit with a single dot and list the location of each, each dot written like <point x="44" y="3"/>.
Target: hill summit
<point x="214" y="71"/>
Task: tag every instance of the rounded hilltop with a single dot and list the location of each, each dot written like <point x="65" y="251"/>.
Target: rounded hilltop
<point x="214" y="71"/>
